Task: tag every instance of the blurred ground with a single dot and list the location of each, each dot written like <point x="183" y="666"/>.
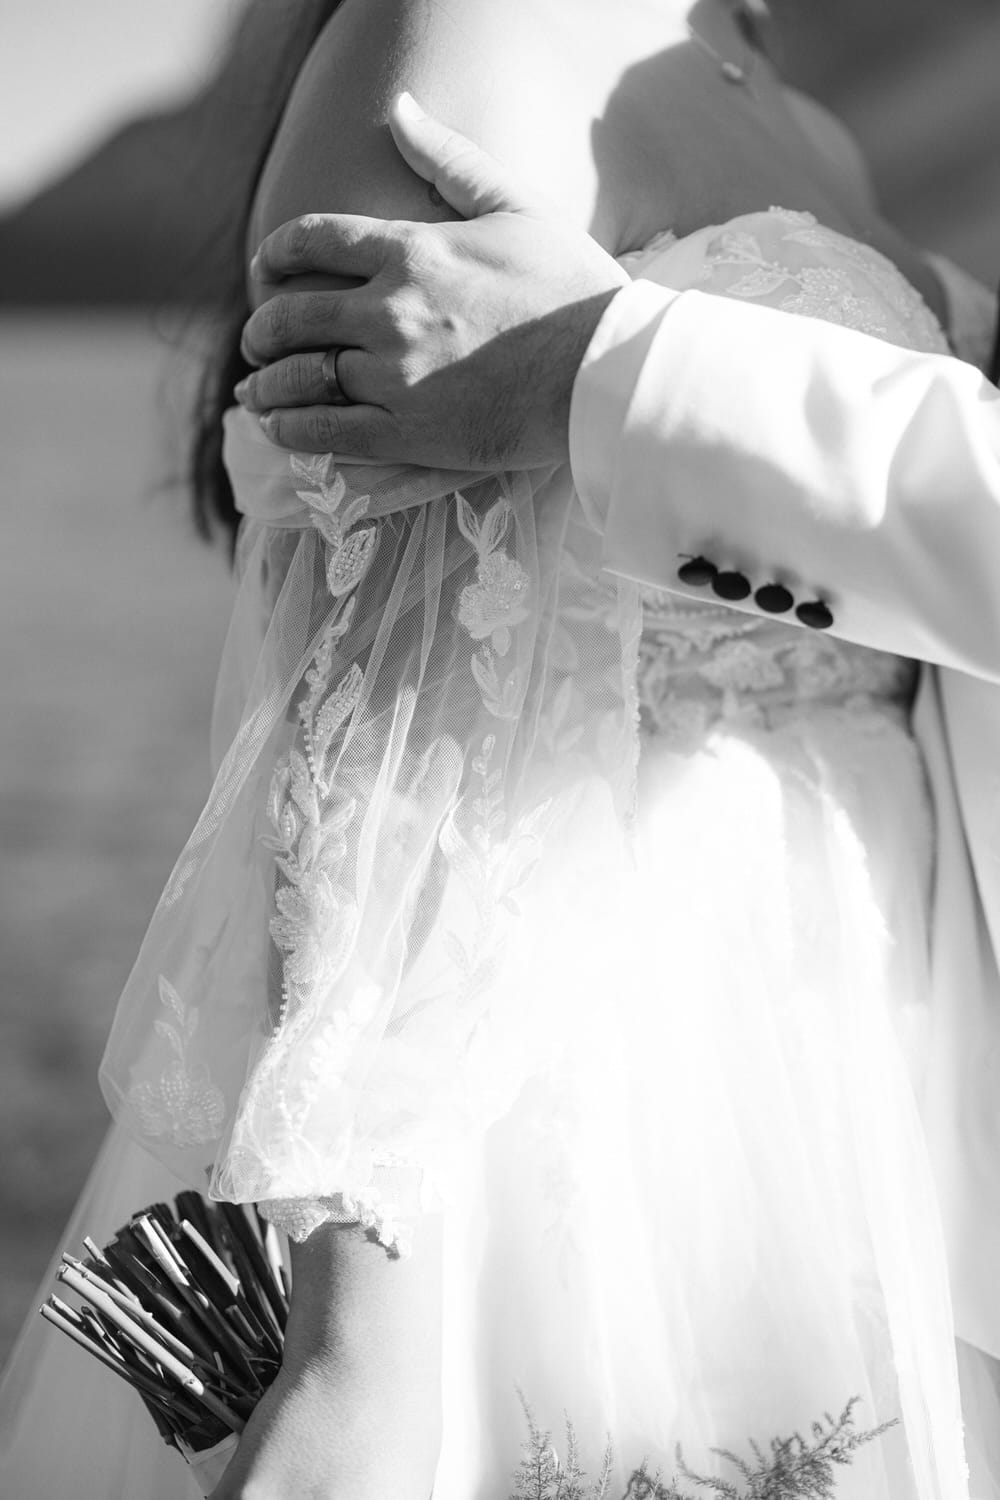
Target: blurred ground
<point x="111" y="622"/>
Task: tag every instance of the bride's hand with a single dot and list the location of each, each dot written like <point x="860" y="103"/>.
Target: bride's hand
<point x="313" y="1437"/>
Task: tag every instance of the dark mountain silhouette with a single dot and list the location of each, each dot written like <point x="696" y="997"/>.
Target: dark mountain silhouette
<point x="144" y="218"/>
<point x="148" y="217"/>
<point x="126" y="226"/>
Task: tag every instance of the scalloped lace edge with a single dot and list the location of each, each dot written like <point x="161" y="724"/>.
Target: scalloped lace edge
<point x="301" y="1217"/>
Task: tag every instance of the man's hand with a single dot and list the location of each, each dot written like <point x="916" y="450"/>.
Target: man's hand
<point x="460" y="346"/>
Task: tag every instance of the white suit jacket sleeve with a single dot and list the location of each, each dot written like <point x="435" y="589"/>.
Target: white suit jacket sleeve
<point x="797" y="452"/>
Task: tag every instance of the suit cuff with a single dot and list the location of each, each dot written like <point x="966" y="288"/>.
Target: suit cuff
<point x="603" y="389"/>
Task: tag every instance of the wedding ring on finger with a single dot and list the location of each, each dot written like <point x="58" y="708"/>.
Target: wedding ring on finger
<point x="335" y="393"/>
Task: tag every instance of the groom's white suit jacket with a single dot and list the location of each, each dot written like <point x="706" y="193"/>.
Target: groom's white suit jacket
<point x="857" y="474"/>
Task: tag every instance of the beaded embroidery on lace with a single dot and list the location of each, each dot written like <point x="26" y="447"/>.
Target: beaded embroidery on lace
<point x="316" y="919"/>
<point x="864" y="293"/>
<point x="702" y="665"/>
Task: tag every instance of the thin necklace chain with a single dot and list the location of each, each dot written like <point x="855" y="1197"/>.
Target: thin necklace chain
<point x="740" y="74"/>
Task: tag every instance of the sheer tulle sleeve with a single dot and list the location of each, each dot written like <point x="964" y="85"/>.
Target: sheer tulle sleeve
<point x="345" y="979"/>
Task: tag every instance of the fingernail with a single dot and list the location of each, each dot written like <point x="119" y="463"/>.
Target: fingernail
<point x="408" y="107"/>
<point x="266" y="420"/>
<point x="240" y="390"/>
<point x="255" y="266"/>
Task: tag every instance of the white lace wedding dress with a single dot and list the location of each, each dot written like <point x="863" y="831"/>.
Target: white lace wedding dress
<point x="702" y="1205"/>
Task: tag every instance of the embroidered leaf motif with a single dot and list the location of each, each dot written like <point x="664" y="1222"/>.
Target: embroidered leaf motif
<point x="501" y="699"/>
<point x="494" y="526"/>
<point x="302" y="790"/>
<point x="531" y="823"/>
<point x="492" y="606"/>
<point x="169" y="1034"/>
<point x="468" y="521"/>
<point x="481" y="763"/>
<point x="289" y="825"/>
<point x="340" y="704"/>
<point x="348" y="552"/>
<point x="737" y="245"/>
<point x="336" y="818"/>
<point x="315" y="917"/>
<point x="347" y="564"/>
<point x="309" y="846"/>
<point x="312" y="498"/>
<point x="759" y="283"/>
<point x="170" y="998"/>
<point x="279" y="791"/>
<point x="183" y="1104"/>
<point x="313" y="469"/>
<point x="318" y="675"/>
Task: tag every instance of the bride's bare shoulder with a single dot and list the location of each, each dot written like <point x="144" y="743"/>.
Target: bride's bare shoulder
<point x="515" y="77"/>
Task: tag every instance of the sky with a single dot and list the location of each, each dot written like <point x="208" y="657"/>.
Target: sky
<point x="72" y="69"/>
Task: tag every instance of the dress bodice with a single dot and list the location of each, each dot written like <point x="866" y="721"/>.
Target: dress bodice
<point x="700" y="664"/>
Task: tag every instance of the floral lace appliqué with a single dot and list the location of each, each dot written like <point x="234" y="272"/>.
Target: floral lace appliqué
<point x="855" y="286"/>
<point x="316" y="917"/>
<point x="348" y="552"/>
<point x="701" y="665"/>
<point x="312" y="820"/>
<point x="299" y="1217"/>
<point x="184" y="1105"/>
<point x="315" y="920"/>
<point x="494" y="605"/>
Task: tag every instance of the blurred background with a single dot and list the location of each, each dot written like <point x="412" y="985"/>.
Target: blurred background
<point x="119" y="121"/>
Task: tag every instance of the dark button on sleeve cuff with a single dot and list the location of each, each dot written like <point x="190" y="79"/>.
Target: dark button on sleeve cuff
<point x="697" y="572"/>
<point x="815" y="614"/>
<point x="731" y="586"/>
<point x="774" y="599"/>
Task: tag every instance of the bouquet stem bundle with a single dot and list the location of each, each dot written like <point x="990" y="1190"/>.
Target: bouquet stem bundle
<point x="189" y="1305"/>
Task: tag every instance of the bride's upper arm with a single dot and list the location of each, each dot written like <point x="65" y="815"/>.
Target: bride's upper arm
<point x="483" y="68"/>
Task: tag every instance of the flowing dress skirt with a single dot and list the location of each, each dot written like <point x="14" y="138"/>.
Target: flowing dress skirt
<point x="716" y="1220"/>
<point x="721" y="1222"/>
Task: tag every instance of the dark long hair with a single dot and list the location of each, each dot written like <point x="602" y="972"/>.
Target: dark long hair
<point x="243" y="111"/>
